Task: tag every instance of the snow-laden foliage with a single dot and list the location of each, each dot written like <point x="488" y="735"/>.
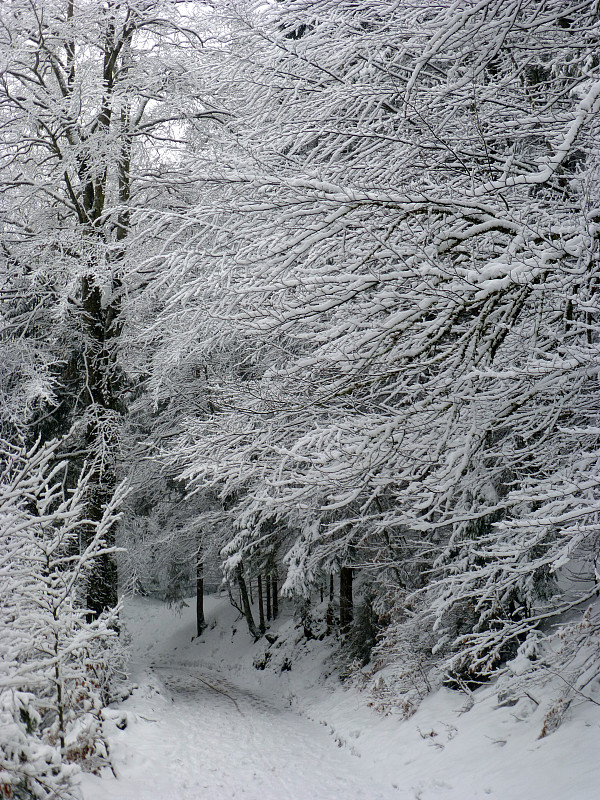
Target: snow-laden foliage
<point x="95" y="99"/>
<point x="55" y="666"/>
<point x="406" y="229"/>
<point x="564" y="666"/>
<point x="335" y="265"/>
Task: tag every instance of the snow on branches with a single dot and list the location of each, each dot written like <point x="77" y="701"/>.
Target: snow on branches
<point x="405" y="233"/>
<point x="53" y="666"/>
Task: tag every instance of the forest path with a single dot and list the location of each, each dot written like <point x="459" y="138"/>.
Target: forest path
<point x="200" y="736"/>
<point x="224" y="742"/>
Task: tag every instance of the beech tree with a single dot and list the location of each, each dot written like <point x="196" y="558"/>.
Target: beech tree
<point x="355" y="303"/>
<point x="406" y="228"/>
<point x="93" y="99"/>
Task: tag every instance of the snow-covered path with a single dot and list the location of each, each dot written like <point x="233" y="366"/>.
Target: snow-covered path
<point x="205" y="724"/>
<point x="226" y="743"/>
<point x="195" y="735"/>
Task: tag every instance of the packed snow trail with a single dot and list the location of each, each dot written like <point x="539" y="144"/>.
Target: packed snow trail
<point x="205" y="724"/>
<point x="232" y="744"/>
<point x="192" y="734"/>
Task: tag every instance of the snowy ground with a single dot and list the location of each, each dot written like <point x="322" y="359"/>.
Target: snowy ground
<point x="205" y="724"/>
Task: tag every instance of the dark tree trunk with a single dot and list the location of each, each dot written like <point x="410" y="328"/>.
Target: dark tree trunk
<point x="200" y="622"/>
<point x="275" y="593"/>
<point x="346" y="603"/>
<point x="254" y="631"/>
<point x="102" y="586"/>
<point x="102" y="579"/>
<point x="330" y="613"/>
<point x="268" y="583"/>
<point x="100" y="321"/>
<point x="261" y="607"/>
<point x="60" y="703"/>
<point x="307" y="619"/>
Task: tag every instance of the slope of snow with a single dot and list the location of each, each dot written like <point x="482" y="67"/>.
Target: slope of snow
<point x="205" y="723"/>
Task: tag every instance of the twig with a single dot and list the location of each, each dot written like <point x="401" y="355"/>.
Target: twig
<point x="574" y="688"/>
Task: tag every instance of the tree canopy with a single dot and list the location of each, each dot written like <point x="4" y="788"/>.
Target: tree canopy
<point x="330" y="270"/>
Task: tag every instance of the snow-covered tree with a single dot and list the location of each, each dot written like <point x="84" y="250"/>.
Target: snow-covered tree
<point x="406" y="227"/>
<point x="54" y="666"/>
<point x="94" y="99"/>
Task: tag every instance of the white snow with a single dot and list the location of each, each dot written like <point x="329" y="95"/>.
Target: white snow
<point x="205" y="724"/>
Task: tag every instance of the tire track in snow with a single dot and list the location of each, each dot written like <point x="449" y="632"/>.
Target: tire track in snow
<point x="162" y="668"/>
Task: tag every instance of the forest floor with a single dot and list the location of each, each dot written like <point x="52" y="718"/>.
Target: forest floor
<point x="203" y="723"/>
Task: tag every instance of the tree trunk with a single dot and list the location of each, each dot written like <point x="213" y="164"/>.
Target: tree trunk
<point x="268" y="583"/>
<point x="100" y="443"/>
<point x="99" y="320"/>
<point x="330" y="615"/>
<point x="102" y="587"/>
<point x="200" y="622"/>
<point x="102" y="592"/>
<point x="102" y="326"/>
<point x="346" y="603"/>
<point x="60" y="704"/>
<point x="254" y="631"/>
<point x="261" y="607"/>
<point x="275" y="594"/>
